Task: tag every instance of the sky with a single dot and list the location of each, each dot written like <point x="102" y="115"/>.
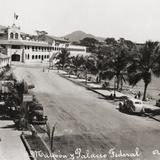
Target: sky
<point x="136" y="20"/>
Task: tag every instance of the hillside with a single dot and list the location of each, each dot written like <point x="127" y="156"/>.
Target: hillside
<point x="79" y="35"/>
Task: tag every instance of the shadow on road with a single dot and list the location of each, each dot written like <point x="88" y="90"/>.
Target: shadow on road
<point x="8" y="126"/>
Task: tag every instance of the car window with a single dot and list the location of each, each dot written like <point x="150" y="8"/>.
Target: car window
<point x="138" y="103"/>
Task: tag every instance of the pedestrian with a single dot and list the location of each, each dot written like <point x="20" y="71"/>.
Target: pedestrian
<point x="43" y="69"/>
<point x="136" y="96"/>
<point x="139" y="95"/>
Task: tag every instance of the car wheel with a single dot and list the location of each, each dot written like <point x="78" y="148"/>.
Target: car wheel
<point x="130" y="110"/>
<point x="120" y="107"/>
<point x="142" y="111"/>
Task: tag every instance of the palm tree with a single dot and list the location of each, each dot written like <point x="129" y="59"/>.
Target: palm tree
<point x="63" y="58"/>
<point x="76" y="63"/>
<point x="145" y="64"/>
<point x="87" y="66"/>
<point x="118" y="61"/>
<point x="99" y="65"/>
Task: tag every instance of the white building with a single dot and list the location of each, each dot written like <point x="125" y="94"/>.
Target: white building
<point x="4" y="60"/>
<point x="26" y="48"/>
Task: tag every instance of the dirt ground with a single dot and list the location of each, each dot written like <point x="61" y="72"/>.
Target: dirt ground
<point x="86" y="120"/>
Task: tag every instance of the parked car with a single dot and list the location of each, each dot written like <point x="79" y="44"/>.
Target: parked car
<point x="36" y="114"/>
<point x="158" y="103"/>
<point x="132" y="106"/>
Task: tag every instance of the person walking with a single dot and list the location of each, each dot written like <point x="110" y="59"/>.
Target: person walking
<point x="139" y="95"/>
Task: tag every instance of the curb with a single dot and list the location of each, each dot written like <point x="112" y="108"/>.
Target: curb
<point x="48" y="149"/>
<point x="152" y="117"/>
<point x="27" y="146"/>
<point x="80" y="84"/>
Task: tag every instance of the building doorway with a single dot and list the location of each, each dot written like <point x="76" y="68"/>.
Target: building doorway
<point x="42" y="58"/>
<point x="15" y="57"/>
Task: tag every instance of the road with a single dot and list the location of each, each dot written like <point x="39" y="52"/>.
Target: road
<point x="86" y="120"/>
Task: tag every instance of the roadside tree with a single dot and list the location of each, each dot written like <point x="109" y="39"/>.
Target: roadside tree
<point x="121" y="53"/>
<point x="63" y="58"/>
<point x="145" y="64"/>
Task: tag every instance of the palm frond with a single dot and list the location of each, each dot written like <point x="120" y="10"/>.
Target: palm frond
<point x="134" y="78"/>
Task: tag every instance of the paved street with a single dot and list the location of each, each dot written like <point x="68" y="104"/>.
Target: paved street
<point x="85" y="119"/>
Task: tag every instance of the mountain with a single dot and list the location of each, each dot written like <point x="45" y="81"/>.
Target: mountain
<point x="79" y="35"/>
<point x="2" y="28"/>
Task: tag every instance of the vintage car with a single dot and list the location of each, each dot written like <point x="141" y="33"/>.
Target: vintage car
<point x="36" y="114"/>
<point x="132" y="105"/>
<point x="158" y="103"/>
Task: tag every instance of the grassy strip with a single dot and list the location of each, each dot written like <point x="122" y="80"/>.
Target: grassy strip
<point x="35" y="144"/>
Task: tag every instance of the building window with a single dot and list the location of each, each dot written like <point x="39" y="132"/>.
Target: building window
<point x="44" y="56"/>
<point x="16" y="36"/>
<point x="36" y="57"/>
<point x="47" y="56"/>
<point x="32" y="56"/>
<point x="11" y="35"/>
<point x="15" y="47"/>
<point x="32" y="48"/>
<point x="39" y="56"/>
<point x="28" y="56"/>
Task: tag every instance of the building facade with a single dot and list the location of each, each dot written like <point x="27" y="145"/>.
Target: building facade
<point x="28" y="48"/>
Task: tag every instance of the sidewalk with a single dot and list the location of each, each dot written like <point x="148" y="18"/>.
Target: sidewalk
<point x="93" y="86"/>
<point x="11" y="146"/>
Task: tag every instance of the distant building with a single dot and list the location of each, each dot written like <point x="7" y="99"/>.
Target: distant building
<point x="25" y="48"/>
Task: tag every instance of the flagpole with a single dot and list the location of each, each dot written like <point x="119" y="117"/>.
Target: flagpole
<point x="14" y="19"/>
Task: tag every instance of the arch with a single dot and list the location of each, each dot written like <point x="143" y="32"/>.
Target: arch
<point x="16" y="35"/>
<point x="42" y="57"/>
<point x="32" y="56"/>
<point x="15" y="57"/>
<point x="11" y="35"/>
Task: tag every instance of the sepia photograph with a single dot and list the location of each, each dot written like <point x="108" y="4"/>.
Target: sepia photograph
<point x="79" y="80"/>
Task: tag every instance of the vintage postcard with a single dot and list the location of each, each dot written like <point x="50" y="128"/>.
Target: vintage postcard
<point x="79" y="80"/>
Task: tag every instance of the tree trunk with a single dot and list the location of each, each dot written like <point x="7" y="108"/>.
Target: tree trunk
<point x="98" y="77"/>
<point x="76" y="71"/>
<point x="86" y="76"/>
<point x="117" y="82"/>
<point x="145" y="90"/>
<point x="63" y="67"/>
<point x="121" y="84"/>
